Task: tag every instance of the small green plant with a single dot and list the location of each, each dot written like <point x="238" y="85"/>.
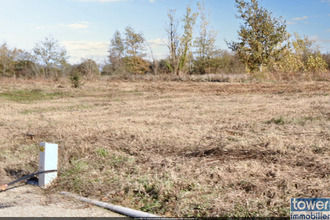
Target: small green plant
<point x="278" y="121"/>
<point x="102" y="152"/>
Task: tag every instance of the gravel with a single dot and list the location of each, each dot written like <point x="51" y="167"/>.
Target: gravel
<point x="31" y="201"/>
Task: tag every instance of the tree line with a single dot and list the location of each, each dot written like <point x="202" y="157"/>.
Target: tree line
<point x="264" y="48"/>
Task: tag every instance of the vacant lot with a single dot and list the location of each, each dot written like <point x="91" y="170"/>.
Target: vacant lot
<point x="174" y="148"/>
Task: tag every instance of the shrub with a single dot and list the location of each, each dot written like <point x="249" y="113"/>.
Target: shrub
<point x="316" y="64"/>
<point x="75" y="78"/>
<point x="89" y="69"/>
<point x="136" y="65"/>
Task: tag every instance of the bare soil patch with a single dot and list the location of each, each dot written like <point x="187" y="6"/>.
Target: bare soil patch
<point x="29" y="201"/>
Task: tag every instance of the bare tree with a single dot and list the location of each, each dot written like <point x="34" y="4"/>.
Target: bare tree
<point x="52" y="56"/>
<point x="205" y="42"/>
<point x="173" y="41"/>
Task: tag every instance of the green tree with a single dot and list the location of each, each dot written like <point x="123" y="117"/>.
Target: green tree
<point x="261" y="36"/>
<point x="134" y="50"/>
<point x="126" y="54"/>
<point x="180" y="45"/>
<point x="52" y="56"/>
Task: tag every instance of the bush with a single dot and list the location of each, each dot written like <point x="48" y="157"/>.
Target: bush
<point x="107" y="69"/>
<point x="25" y="68"/>
<point x="89" y="69"/>
<point x="300" y="58"/>
<point x="164" y="66"/>
<point x="75" y="78"/>
<point x="222" y="62"/>
<point x="136" y="65"/>
<point x="316" y="64"/>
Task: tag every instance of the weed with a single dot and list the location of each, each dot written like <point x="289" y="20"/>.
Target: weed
<point x="102" y="152"/>
<point x="77" y="166"/>
<point x="115" y="160"/>
<point x="278" y="121"/>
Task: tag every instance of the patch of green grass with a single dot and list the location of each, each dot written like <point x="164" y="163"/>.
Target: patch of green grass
<point x="119" y="160"/>
<point x="77" y="167"/>
<point x="243" y="211"/>
<point x="28" y="96"/>
<point x="102" y="152"/>
<point x="278" y="121"/>
<point x="49" y="109"/>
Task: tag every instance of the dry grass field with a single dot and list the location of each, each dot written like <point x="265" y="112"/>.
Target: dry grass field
<point x="174" y="148"/>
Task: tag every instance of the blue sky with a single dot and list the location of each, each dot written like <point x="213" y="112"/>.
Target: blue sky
<point x="85" y="27"/>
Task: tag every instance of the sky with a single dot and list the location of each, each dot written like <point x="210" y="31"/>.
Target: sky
<point x="85" y="27"/>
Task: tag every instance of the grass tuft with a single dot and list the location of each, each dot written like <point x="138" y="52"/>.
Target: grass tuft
<point x="23" y="96"/>
<point x="277" y="121"/>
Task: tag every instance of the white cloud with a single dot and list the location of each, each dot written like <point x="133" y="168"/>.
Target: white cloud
<point x="300" y="18"/>
<point x="75" y="26"/>
<point x="320" y="40"/>
<point x="159" y="42"/>
<point x="97" y="50"/>
<point x="158" y="47"/>
<point x="291" y="22"/>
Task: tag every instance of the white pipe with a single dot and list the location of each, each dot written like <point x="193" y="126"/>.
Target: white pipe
<point x="115" y="208"/>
